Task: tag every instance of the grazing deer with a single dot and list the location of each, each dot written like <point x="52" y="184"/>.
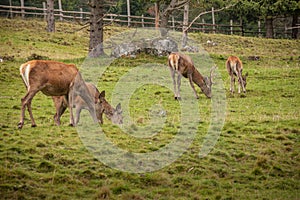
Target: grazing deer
<point x="184" y="66"/>
<point x="102" y="106"/>
<point x="53" y="79"/>
<point x="235" y="68"/>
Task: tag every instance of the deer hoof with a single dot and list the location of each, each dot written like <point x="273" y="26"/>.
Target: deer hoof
<point x="72" y="125"/>
<point x="33" y="125"/>
<point x="20" y="125"/>
<point x="243" y="95"/>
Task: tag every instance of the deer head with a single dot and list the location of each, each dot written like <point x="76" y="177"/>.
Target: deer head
<point x="244" y="79"/>
<point x="209" y="82"/>
<point x="113" y="114"/>
<point x="117" y="117"/>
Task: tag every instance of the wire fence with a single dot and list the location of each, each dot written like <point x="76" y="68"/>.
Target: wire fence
<point x="139" y="21"/>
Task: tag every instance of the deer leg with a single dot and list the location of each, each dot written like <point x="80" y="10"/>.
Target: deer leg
<point x="56" y="118"/>
<point x="33" y="124"/>
<point x="81" y="89"/>
<point x="192" y="85"/>
<point x="241" y="83"/>
<point x="58" y="114"/>
<point x="27" y="98"/>
<point x="91" y="108"/>
<point x="77" y="115"/>
<point x="232" y="83"/>
<point x="70" y="105"/>
<point x="174" y="82"/>
<point x="61" y="112"/>
<point x="178" y="86"/>
<point x="21" y="123"/>
<point x="60" y="107"/>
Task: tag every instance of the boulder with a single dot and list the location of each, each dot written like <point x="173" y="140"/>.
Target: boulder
<point x="158" y="47"/>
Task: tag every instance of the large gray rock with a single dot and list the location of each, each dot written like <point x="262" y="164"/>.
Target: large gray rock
<point x="158" y="47"/>
<point x="125" y="49"/>
<point x="164" y="46"/>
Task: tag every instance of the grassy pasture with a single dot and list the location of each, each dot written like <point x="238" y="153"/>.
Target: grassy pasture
<point x="256" y="156"/>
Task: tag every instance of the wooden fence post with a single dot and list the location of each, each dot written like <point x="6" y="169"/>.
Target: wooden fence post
<point x="203" y="27"/>
<point x="128" y="12"/>
<point x="285" y="30"/>
<point x="173" y="23"/>
<point x="61" y="18"/>
<point x="213" y="19"/>
<point x="10" y="9"/>
<point x="44" y="11"/>
<point x="156" y="15"/>
<point x="259" y="28"/>
<point x="22" y="9"/>
<point x="231" y="27"/>
<point x="81" y="14"/>
<point x="143" y="21"/>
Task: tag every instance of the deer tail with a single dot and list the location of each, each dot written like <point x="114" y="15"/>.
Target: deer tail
<point x="24" y="71"/>
<point x="173" y="61"/>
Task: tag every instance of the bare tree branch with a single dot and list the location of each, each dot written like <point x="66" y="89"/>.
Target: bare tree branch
<point x="206" y="12"/>
<point x="176" y="5"/>
<point x="87" y="24"/>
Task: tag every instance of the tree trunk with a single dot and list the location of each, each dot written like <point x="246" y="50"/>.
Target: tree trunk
<point x="294" y="24"/>
<point x="164" y="24"/>
<point x="185" y="24"/>
<point x="96" y="28"/>
<point x="269" y="27"/>
<point x="50" y="16"/>
<point x="173" y="5"/>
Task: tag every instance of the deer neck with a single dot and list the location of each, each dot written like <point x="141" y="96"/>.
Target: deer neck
<point x="198" y="79"/>
<point x="108" y="110"/>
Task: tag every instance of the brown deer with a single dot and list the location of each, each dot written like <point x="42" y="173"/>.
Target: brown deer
<point x="53" y="79"/>
<point x="102" y="106"/>
<point x="184" y="66"/>
<point x="235" y="68"/>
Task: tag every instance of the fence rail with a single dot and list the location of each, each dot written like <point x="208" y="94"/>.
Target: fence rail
<point x="133" y="21"/>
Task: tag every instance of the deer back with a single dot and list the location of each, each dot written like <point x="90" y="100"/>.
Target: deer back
<point x="181" y="63"/>
<point x="51" y="77"/>
<point x="234" y="65"/>
<point x="94" y="92"/>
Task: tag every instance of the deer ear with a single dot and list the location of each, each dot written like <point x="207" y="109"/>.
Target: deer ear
<point x="102" y="94"/>
<point x="118" y="108"/>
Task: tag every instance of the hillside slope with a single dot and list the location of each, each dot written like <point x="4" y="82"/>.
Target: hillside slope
<point x="256" y="155"/>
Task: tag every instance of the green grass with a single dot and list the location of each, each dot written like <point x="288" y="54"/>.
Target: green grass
<point x="256" y="156"/>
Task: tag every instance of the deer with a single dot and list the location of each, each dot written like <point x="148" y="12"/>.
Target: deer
<point x="235" y="68"/>
<point x="53" y="78"/>
<point x="101" y="106"/>
<point x="184" y="66"/>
